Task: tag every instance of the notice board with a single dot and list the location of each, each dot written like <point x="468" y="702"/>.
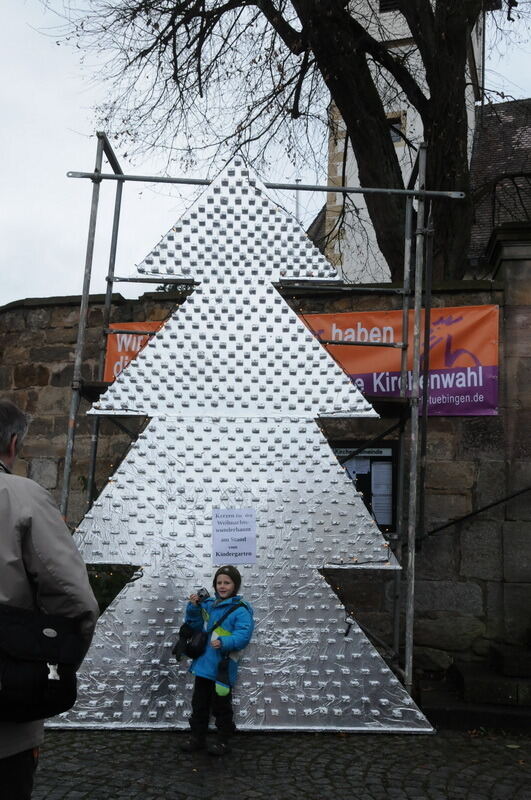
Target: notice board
<point x="373" y="469"/>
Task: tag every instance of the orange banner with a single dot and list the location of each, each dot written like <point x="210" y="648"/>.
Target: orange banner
<point x="123" y="347"/>
<point x="463" y="354"/>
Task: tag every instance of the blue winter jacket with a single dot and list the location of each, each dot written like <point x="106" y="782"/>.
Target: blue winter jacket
<point x="234" y="633"/>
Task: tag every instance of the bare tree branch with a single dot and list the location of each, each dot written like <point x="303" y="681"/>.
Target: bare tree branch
<point x="291" y="38"/>
<point x="206" y="78"/>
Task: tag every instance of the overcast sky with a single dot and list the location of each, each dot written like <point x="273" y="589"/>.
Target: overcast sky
<point x="48" y="128"/>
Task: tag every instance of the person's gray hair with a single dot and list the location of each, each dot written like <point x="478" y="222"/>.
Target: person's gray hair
<point x="13" y="422"/>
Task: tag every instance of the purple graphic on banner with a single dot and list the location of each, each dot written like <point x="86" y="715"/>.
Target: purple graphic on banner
<point x="452" y="392"/>
<point x="451" y="354"/>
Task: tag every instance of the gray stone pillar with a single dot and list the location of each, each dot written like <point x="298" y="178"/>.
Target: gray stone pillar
<point x="510" y="255"/>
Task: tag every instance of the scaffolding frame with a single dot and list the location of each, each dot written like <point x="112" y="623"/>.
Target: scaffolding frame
<point x="422" y="237"/>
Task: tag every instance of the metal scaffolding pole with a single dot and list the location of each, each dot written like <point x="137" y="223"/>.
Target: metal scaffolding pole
<point x="400" y="511"/>
<point x="300" y="187"/>
<point x="425" y="369"/>
<point x="414" y="432"/>
<point x="103" y="343"/>
<point x="80" y="343"/>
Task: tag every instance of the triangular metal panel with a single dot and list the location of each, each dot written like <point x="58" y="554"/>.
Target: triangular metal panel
<point x="234" y="350"/>
<point x="234" y="225"/>
<point x="303" y="669"/>
<point x="235" y="347"/>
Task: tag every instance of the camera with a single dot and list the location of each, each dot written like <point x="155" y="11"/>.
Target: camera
<point x="203" y="594"/>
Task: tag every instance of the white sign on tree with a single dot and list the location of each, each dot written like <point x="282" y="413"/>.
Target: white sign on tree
<point x="233" y="536"/>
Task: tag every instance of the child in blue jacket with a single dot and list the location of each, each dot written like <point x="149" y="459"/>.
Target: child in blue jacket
<point x="216" y="669"/>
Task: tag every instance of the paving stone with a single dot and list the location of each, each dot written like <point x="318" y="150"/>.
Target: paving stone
<point x="147" y="765"/>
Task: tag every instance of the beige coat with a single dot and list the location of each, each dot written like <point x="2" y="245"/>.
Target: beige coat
<point x="35" y="542"/>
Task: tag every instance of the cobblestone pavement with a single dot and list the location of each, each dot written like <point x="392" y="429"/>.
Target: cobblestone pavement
<point x="140" y="765"/>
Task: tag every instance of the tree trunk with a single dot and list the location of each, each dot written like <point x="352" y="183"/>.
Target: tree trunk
<point x="446" y="134"/>
<point x="341" y="52"/>
<point x="343" y="63"/>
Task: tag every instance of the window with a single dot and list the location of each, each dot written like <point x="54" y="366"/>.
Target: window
<point x="389" y="5"/>
<point x="397" y="124"/>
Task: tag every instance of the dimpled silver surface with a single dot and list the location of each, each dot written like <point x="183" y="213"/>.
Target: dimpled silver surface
<point x="235" y="348"/>
<point x="233" y="383"/>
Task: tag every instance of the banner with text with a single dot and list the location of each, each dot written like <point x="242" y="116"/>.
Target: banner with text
<point x="123" y="347"/>
<point x="463" y="355"/>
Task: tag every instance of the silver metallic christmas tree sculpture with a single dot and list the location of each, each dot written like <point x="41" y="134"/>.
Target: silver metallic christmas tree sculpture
<point x="232" y="384"/>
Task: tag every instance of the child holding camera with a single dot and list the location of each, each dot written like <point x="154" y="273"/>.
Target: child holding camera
<point x="216" y="669"/>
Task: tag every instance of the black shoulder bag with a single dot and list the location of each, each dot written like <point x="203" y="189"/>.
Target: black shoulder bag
<point x="192" y="643"/>
<point x="39" y="656"/>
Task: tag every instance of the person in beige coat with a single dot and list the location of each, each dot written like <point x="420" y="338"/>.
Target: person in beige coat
<point x="40" y="567"/>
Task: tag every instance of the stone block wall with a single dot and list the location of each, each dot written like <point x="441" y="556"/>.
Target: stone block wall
<point x="473" y="580"/>
<point x="37" y="344"/>
<point x="512" y="257"/>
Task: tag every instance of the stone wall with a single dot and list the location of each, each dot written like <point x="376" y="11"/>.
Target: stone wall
<point x="510" y="253"/>
<point x="37" y="343"/>
<point x="473" y="580"/>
